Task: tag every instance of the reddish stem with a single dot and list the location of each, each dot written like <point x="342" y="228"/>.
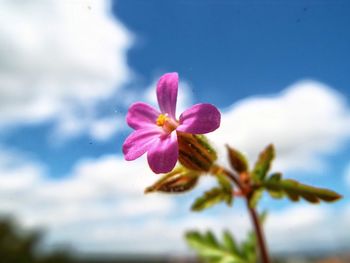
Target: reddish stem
<point x="259" y="234"/>
<point x="245" y="190"/>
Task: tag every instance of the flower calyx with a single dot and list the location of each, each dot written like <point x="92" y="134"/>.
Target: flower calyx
<point x="195" y="152"/>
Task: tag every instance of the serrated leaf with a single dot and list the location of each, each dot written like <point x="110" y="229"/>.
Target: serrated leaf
<point x="210" y="198"/>
<point x="177" y="181"/>
<point x="276" y="194"/>
<point x="263" y="164"/>
<point x="230" y="243"/>
<point x="229" y="259"/>
<point x="223" y="193"/>
<point x="225" y="183"/>
<point x="249" y="248"/>
<point x="275" y="177"/>
<point x="226" y="187"/>
<point x="292" y="196"/>
<point x="295" y="190"/>
<point x="211" y="251"/>
<point x="205" y="249"/>
<point x="210" y="238"/>
<point x="237" y="160"/>
<point x="256" y="196"/>
<point x="201" y="244"/>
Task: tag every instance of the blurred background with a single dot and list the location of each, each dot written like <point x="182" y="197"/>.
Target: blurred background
<point x="69" y="69"/>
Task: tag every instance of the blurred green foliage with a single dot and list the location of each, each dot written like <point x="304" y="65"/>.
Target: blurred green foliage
<point x="18" y="245"/>
<point x="227" y="251"/>
<point x="222" y="193"/>
<point x="22" y="246"/>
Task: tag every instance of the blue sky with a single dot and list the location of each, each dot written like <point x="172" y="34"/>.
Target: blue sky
<point x="240" y="48"/>
<point x="277" y="71"/>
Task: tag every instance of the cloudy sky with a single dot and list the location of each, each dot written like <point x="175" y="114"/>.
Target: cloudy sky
<point x="69" y="70"/>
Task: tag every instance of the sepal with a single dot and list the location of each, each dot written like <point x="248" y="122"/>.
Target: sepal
<point x="178" y="181"/>
<point x="195" y="152"/>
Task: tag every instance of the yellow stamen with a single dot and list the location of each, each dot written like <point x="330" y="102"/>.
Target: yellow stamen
<point x="162" y="118"/>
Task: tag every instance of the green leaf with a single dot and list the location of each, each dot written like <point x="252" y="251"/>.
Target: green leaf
<point x="229" y="259"/>
<point x="210" y="198"/>
<point x="262" y="166"/>
<point x="276" y="194"/>
<point x="223" y="193"/>
<point x="210" y="238"/>
<point x="237" y="160"/>
<point x="256" y="196"/>
<point x="205" y="249"/>
<point x="177" y="181"/>
<point x="275" y="177"/>
<point x="226" y="251"/>
<point x="249" y="248"/>
<point x="295" y="190"/>
<point x="226" y="187"/>
<point x="210" y="249"/>
<point x="230" y="243"/>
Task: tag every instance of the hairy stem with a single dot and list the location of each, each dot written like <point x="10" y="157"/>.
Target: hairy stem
<point x="252" y="212"/>
<point x="259" y="234"/>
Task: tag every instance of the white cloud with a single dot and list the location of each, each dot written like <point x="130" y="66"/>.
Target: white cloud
<point x="105" y="195"/>
<point x="103" y="129"/>
<point x="16" y="174"/>
<point x="300" y="228"/>
<point x="306" y="228"/>
<point x="153" y="205"/>
<point x="101" y="190"/>
<point x="305" y="121"/>
<point x="59" y="60"/>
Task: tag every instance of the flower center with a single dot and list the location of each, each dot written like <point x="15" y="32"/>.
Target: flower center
<point x="167" y="123"/>
<point x="161" y="119"/>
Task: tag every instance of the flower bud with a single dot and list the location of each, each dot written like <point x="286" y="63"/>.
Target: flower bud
<point x="195" y="152"/>
<point x="177" y="181"/>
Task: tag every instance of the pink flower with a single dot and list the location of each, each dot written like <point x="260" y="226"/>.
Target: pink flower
<point x="155" y="131"/>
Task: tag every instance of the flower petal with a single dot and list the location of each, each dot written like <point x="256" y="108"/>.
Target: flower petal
<point x="167" y="93"/>
<point x="141" y="115"/>
<point x="199" y="119"/>
<point x="162" y="156"/>
<point x="140" y="141"/>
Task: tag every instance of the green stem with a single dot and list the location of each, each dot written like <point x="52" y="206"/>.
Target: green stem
<point x="252" y="212"/>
